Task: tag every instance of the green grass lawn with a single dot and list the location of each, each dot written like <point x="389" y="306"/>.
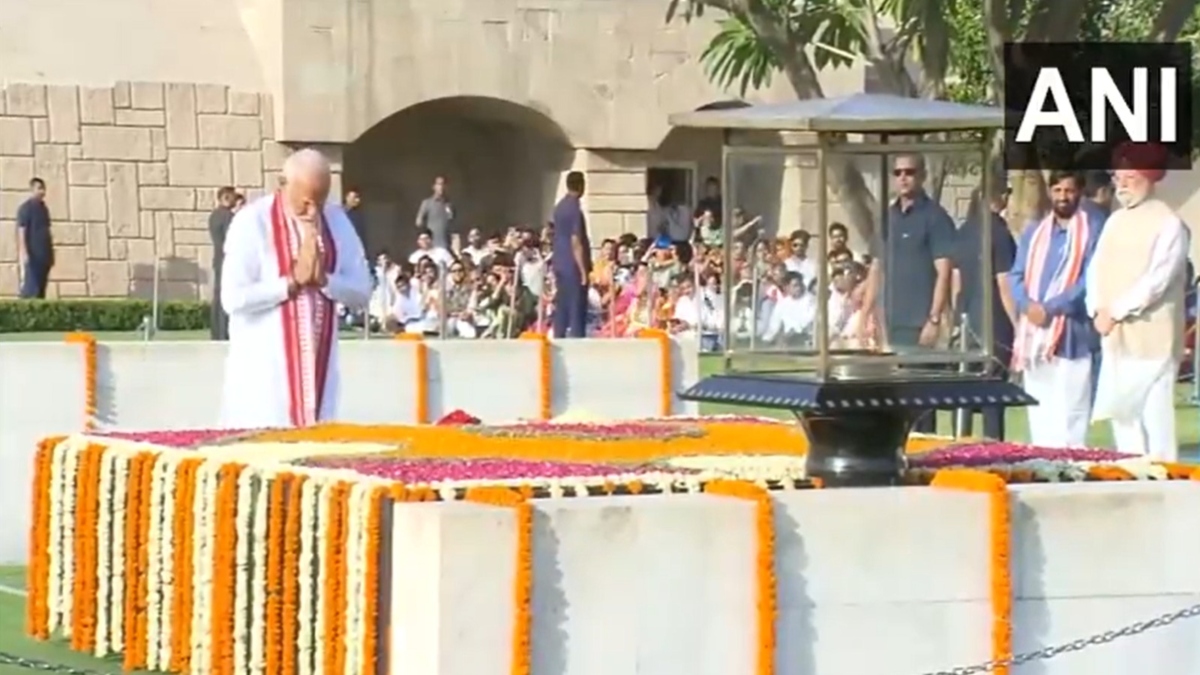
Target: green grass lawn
<point x="13" y="641"/>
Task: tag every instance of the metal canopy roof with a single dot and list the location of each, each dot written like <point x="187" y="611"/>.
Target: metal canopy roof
<point x="861" y="113"/>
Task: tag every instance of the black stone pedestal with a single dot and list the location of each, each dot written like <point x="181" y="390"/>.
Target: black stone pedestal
<point x="857" y="428"/>
<point x="856" y="448"/>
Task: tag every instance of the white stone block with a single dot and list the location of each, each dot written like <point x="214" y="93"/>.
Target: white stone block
<point x="453" y="566"/>
<point x="898" y="565"/>
<point x="653" y="584"/>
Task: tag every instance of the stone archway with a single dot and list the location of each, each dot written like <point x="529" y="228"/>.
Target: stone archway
<point x="503" y="162"/>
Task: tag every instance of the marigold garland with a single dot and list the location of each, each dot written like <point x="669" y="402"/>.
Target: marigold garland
<point x="134" y="498"/>
<point x="371" y="611"/>
<point x="276" y="541"/>
<point x="1176" y="471"/>
<point x="37" y="607"/>
<point x="90" y="370"/>
<point x="224" y="569"/>
<point x="522" y="641"/>
<point x="335" y="578"/>
<point x="667" y="383"/>
<point x="545" y="374"/>
<point x="141" y="642"/>
<point x="1107" y="472"/>
<point x="1000" y="516"/>
<point x="421" y="366"/>
<point x="87" y="505"/>
<point x="765" y="582"/>
<point x="182" y="601"/>
<point x="290" y="611"/>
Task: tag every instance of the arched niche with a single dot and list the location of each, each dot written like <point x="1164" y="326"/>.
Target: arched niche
<point x="502" y="160"/>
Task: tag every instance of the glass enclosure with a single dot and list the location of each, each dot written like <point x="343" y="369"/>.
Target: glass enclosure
<point x="885" y="258"/>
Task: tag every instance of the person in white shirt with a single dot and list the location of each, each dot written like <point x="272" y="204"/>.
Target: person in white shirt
<point x="798" y="261"/>
<point x="1136" y="289"/>
<point x="712" y="304"/>
<point x="841" y="304"/>
<point x="406" y="314"/>
<point x="426" y="249"/>
<point x="793" y="314"/>
<point x="387" y="272"/>
<point x="475" y="248"/>
<point x="679" y="224"/>
<point x="686" y="319"/>
<point x="531" y="265"/>
<point x="290" y="258"/>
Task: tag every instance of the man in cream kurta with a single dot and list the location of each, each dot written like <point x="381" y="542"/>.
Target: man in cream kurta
<point x="1135" y="291"/>
<point x="289" y="259"/>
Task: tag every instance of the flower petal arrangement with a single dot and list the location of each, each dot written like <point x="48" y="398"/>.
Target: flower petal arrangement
<point x="262" y="551"/>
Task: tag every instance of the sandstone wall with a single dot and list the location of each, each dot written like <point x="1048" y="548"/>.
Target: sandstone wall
<point x="131" y="173"/>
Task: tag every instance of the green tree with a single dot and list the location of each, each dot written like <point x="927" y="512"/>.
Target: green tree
<point x="956" y="47"/>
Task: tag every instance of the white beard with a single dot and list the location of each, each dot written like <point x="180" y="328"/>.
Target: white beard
<point x="1129" y="200"/>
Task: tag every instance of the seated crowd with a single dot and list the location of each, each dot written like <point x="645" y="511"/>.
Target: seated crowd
<point x="501" y="286"/>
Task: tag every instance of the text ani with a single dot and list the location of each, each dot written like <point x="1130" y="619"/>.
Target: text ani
<point x="1132" y="112"/>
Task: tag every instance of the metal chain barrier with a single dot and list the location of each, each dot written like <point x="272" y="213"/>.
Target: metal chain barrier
<point x="988" y="666"/>
<point x="45" y="666"/>
<point x="1077" y="645"/>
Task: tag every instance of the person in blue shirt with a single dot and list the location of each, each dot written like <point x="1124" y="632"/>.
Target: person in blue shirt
<point x="1097" y="202"/>
<point x="1054" y="339"/>
<point x="1098" y="192"/>
<point x="35" y="243"/>
<point x="971" y="285"/>
<point x="571" y="261"/>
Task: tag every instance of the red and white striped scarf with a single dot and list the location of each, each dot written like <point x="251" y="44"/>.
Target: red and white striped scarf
<point x="1036" y="344"/>
<point x="308" y="320"/>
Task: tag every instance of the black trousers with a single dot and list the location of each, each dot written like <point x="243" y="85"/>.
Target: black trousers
<point x="570" y="306"/>
<point x="218" y="326"/>
<point x="906" y="336"/>
<point x="37" y="275"/>
<point x="993" y="416"/>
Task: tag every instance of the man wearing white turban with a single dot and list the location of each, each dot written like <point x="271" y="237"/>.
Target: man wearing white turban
<point x="289" y="258"/>
<point x="1135" y="294"/>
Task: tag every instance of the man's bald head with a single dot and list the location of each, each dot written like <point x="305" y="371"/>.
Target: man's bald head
<point x="306" y="180"/>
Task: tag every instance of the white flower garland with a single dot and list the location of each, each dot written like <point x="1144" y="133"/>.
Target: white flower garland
<point x="154" y="570"/>
<point x="104" y="553"/>
<point x="258" y="586"/>
<point x="202" y="549"/>
<point x="55" y="572"/>
<point x="241" y="604"/>
<point x="67" y="519"/>
<point x="306" y="612"/>
<point x="322" y="577"/>
<point x="744" y="467"/>
<point x="166" y="570"/>
<point x="356" y="569"/>
<point x="121" y="458"/>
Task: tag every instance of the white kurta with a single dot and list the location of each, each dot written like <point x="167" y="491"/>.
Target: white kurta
<point x="258" y="391"/>
<point x="1138" y="394"/>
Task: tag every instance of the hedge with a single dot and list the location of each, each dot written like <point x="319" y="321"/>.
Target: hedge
<point x="53" y="316"/>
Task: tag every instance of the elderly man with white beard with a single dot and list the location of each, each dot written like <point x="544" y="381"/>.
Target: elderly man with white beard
<point x="290" y="257"/>
<point x="1135" y="294"/>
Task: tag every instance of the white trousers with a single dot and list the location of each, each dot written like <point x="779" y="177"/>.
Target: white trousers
<point x="1063" y="389"/>
<point x="1151" y="431"/>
